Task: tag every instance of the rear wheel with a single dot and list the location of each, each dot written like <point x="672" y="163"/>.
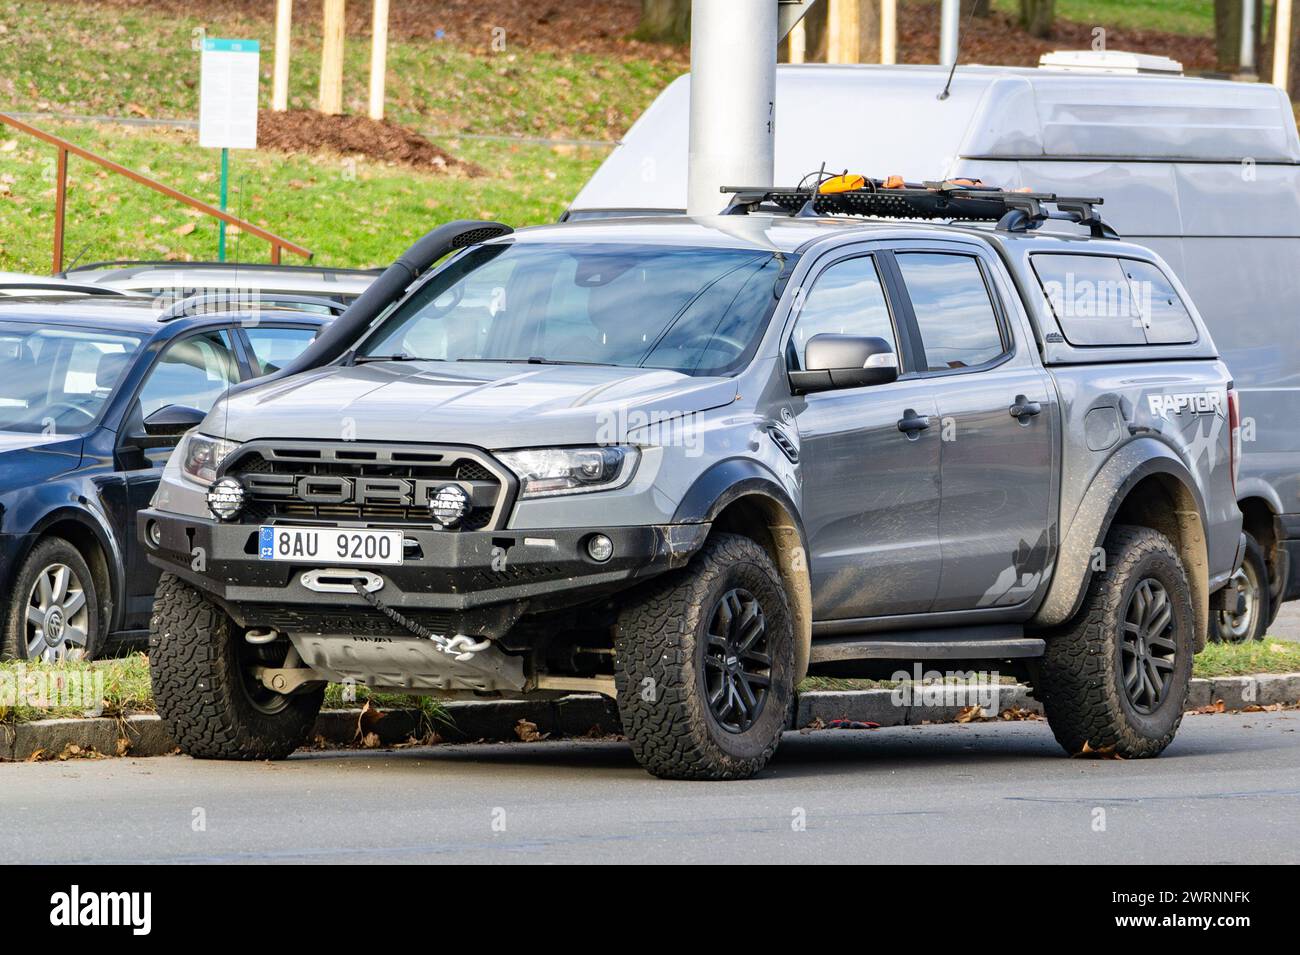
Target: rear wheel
<point x="201" y="668"/>
<point x="54" y="614"/>
<point x="705" y="665"/>
<point x="1116" y="680"/>
<point x="1255" y="614"/>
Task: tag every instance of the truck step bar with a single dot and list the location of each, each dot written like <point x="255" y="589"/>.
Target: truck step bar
<point x="992" y="642"/>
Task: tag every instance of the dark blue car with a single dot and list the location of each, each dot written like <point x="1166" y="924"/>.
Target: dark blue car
<point x="95" y="392"/>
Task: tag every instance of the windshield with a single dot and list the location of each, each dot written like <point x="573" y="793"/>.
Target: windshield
<point x="56" y="379"/>
<point x="699" y="311"/>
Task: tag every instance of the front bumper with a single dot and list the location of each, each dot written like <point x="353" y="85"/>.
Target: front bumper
<point x="487" y="576"/>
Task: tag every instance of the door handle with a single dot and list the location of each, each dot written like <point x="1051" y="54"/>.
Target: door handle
<point x="912" y="424"/>
<point x="1024" y="409"/>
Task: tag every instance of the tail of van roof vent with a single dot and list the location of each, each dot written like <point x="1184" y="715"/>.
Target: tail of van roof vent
<point x="1110" y="61"/>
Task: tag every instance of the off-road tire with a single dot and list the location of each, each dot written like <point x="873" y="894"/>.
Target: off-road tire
<point x="660" y="644"/>
<point x="1080" y="680"/>
<point x="1264" y="612"/>
<point x="197" y="659"/>
<point x="50" y="550"/>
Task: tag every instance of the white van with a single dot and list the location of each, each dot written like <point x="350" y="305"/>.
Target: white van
<point x="1205" y="172"/>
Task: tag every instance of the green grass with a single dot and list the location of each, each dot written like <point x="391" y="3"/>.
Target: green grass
<point x="82" y="58"/>
<point x="1242" y="659"/>
<point x="1194" y="17"/>
<point x="349" y="212"/>
<point x="32" y="692"/>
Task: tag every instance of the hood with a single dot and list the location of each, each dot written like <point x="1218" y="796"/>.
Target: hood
<point x="28" y="459"/>
<point x="491" y="405"/>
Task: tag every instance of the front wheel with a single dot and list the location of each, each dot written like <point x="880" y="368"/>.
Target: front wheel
<point x="704" y="665"/>
<point x="54" y="614"/>
<point x="1116" y="680"/>
<point x="201" y="668"/>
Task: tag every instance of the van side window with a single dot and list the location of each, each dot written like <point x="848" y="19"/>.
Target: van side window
<point x="1106" y="300"/>
<point x="959" y="328"/>
<point x="846" y="299"/>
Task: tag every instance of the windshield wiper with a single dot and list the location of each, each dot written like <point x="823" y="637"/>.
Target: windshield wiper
<point x="535" y="360"/>
<point x="362" y="359"/>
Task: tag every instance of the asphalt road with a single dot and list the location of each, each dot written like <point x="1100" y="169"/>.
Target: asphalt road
<point x="1226" y="791"/>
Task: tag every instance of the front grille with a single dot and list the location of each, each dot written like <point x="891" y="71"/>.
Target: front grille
<point x="372" y="483"/>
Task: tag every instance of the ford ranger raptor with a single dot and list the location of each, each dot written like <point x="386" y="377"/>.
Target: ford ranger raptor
<point x="686" y="462"/>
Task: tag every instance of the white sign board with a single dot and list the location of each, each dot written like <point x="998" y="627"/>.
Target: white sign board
<point x="228" y="94"/>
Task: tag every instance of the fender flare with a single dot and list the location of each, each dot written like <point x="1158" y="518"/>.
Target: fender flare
<point x="51" y="513"/>
<point x="733" y="479"/>
<point x="1125" y="469"/>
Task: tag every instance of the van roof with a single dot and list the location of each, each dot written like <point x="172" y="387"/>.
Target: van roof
<point x="847" y="117"/>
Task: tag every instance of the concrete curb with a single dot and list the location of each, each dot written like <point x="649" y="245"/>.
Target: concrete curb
<point x="577" y="716"/>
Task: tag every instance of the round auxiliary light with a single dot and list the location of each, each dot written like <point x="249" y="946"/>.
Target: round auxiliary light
<point x="600" y="547"/>
<point x="226" y="499"/>
<point x="449" y="505"/>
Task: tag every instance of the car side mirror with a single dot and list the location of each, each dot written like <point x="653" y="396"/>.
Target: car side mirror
<point x="164" y="427"/>
<point x="845" y="361"/>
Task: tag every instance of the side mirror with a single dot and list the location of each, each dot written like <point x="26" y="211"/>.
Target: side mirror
<point x="164" y="427"/>
<point x="845" y="361"/>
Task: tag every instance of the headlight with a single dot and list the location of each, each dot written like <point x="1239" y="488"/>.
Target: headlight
<point x="552" y="471"/>
<point x="202" y="454"/>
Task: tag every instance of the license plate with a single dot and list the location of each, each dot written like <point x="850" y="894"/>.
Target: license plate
<point x="313" y="545"/>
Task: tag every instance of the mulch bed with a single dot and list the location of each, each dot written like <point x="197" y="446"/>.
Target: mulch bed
<point x="307" y="131"/>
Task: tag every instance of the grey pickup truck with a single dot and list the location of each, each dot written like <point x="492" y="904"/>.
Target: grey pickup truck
<point x="685" y="462"/>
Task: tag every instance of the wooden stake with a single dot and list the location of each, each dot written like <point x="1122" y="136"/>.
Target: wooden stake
<point x="1282" y="45"/>
<point x="798" y="43"/>
<point x="280" y="76"/>
<point x="888" y="31"/>
<point x="378" y="59"/>
<point x="842" y="32"/>
<point x="331" y="59"/>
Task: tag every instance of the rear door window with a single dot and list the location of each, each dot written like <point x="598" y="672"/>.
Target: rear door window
<point x="959" y="327"/>
<point x="1106" y="300"/>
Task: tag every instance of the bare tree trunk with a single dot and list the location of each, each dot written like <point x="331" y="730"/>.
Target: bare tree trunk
<point x="1227" y="33"/>
<point x="1036" y="16"/>
<point x="665" y="21"/>
<point x="814" y="22"/>
<point x="1266" y="55"/>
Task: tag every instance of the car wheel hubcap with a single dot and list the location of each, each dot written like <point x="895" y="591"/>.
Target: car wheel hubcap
<point x="737" y="664"/>
<point x="58" y="616"/>
<point x="1149" y="647"/>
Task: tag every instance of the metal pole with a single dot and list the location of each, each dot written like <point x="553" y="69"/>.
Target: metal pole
<point x="225" y="182"/>
<point x="1282" y="44"/>
<point x="280" y="76"/>
<point x="1247" y="57"/>
<point x="888" y="31"/>
<point x="733" y="99"/>
<point x="948" y="26"/>
<point x="378" y="59"/>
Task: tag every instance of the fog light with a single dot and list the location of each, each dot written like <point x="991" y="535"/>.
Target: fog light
<point x="449" y="505"/>
<point x="600" y="547"/>
<point x="226" y="499"/>
<point x="153" y="531"/>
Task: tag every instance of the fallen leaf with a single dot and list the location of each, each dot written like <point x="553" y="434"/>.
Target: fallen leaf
<point x="970" y="714"/>
<point x="1018" y="713"/>
<point x="526" y="730"/>
<point x="186" y="229"/>
<point x="123" y="746"/>
<point x="1106" y="752"/>
<point x="370" y="741"/>
<point x="35" y="756"/>
<point x="368" y="721"/>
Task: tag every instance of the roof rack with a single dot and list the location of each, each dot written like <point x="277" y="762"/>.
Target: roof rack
<point x="232" y="266"/>
<point x="215" y="302"/>
<point x="70" y="288"/>
<point x="953" y="201"/>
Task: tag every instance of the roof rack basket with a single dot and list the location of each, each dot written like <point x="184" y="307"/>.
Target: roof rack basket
<point x="1012" y="211"/>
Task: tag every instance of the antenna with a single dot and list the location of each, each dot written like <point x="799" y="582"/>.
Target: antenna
<point x="75" y="259"/>
<point x="947" y="87"/>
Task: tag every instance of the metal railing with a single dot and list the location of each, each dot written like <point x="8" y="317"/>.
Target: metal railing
<point x="64" y="147"/>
